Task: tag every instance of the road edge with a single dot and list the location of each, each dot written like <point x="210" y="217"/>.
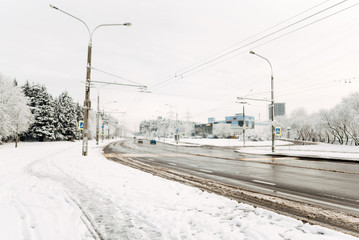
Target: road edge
<point x="313" y="214"/>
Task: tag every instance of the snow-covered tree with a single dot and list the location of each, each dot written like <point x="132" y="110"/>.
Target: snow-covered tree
<point x="165" y="128"/>
<point x="79" y="117"/>
<point x="337" y="125"/>
<point x="79" y="113"/>
<point x="42" y="107"/>
<point x="65" y="118"/>
<point x="221" y="130"/>
<point x="15" y="114"/>
<point x="342" y="120"/>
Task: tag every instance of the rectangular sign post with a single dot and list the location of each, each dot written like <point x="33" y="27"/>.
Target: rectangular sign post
<point x="81" y="125"/>
<point x="278" y="131"/>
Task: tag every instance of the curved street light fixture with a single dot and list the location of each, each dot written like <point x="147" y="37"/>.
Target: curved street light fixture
<point x="272" y="98"/>
<point x="88" y="75"/>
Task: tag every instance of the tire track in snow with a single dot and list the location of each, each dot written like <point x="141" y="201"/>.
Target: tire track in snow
<point x="72" y="189"/>
<point x="101" y="215"/>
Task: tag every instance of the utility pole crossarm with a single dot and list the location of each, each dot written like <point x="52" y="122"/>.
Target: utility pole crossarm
<point x="254" y="99"/>
<point x="121" y="84"/>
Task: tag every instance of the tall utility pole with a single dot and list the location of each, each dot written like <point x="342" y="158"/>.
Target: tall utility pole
<point x="141" y="87"/>
<point x="87" y="103"/>
<point x="244" y="128"/>
<point x="177" y="133"/>
<point x="98" y="119"/>
<point x="272" y="98"/>
<point x="244" y="122"/>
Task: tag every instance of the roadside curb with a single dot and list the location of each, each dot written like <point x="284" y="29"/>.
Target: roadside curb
<point x="301" y="156"/>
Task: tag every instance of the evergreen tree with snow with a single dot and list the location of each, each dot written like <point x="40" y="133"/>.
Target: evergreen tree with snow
<point x="42" y="107"/>
<point x="79" y="112"/>
<point x="26" y="89"/>
<point x="79" y="117"/>
<point x="65" y="118"/>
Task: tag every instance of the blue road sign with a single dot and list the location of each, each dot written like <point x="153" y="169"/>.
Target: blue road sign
<point x="278" y="131"/>
<point x="81" y="125"/>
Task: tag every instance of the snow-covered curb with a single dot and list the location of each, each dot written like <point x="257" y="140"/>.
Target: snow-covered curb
<point x="282" y="148"/>
<point x="220" y="142"/>
<point x="319" y="151"/>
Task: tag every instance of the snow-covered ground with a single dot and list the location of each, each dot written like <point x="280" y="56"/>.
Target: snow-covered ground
<point x="49" y="191"/>
<point x="219" y="142"/>
<point x="319" y="150"/>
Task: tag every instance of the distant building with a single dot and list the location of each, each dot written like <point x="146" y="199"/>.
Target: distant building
<point x="237" y="120"/>
<point x="231" y="126"/>
<point x="279" y="110"/>
<point x="211" y="120"/>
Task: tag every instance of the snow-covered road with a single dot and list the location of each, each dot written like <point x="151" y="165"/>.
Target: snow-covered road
<point x="50" y="191"/>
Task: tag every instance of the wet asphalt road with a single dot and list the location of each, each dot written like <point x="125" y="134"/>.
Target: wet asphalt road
<point x="331" y="184"/>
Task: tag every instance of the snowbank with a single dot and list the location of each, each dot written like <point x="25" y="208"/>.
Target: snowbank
<point x="221" y="142"/>
<point x="319" y="150"/>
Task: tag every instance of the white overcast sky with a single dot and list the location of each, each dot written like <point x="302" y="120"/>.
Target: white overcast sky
<point x="166" y="41"/>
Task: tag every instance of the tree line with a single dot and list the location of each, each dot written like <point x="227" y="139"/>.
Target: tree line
<point x="30" y="113"/>
<point x="339" y="124"/>
<point x="163" y="128"/>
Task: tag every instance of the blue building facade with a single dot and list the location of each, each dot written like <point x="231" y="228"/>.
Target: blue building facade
<point x="237" y="120"/>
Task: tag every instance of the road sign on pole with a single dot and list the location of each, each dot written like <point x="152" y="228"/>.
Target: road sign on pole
<point x="278" y="131"/>
<point x="81" y="125"/>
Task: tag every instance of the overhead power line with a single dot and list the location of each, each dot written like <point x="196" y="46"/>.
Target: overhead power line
<point x="255" y="35"/>
<point x="264" y="43"/>
<point x="202" y="65"/>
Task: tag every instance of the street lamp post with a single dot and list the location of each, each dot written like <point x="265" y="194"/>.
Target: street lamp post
<point x="98" y="115"/>
<point x="244" y="125"/>
<point x="177" y="133"/>
<point x="244" y="122"/>
<point x="272" y="99"/>
<point x="87" y="102"/>
<point x="98" y="119"/>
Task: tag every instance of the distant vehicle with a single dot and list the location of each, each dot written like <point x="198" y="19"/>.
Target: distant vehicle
<point x="140" y="140"/>
<point x="153" y="141"/>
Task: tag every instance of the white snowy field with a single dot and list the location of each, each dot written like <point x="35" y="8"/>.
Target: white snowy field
<point x="49" y="191"/>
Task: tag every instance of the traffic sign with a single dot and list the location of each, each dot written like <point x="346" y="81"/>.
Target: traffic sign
<point x="278" y="131"/>
<point x="81" y="125"/>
